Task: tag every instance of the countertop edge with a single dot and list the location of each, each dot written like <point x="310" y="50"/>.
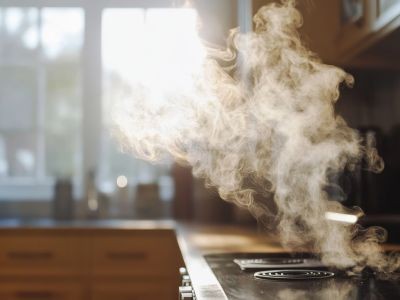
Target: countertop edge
<point x="204" y="282"/>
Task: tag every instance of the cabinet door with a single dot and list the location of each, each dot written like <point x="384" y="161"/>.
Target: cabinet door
<point x="139" y="289"/>
<point x="144" y="253"/>
<point x="385" y="6"/>
<point x="387" y="11"/>
<point x="40" y="290"/>
<point x="33" y="253"/>
<point x="357" y="21"/>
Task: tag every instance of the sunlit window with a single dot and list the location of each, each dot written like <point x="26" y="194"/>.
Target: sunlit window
<point x="40" y="95"/>
<point x="46" y="54"/>
<point x="140" y="46"/>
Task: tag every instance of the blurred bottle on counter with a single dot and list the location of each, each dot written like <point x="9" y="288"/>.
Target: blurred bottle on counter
<point x="91" y="196"/>
<point x="63" y="202"/>
<point x="183" y="204"/>
<point x="147" y="201"/>
<point x="122" y="197"/>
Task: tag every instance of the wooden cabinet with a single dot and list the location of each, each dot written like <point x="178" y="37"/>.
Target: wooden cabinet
<point x="322" y="27"/>
<point x="138" y="289"/>
<point x="356" y="24"/>
<point x="378" y="19"/>
<point x="75" y="264"/>
<point x="386" y="12"/>
<point x="33" y="253"/>
<point x="133" y="254"/>
<point x="351" y="32"/>
<point x="41" y="290"/>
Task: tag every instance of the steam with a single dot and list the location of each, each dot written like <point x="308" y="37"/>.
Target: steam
<point x="264" y="133"/>
<point x="324" y="290"/>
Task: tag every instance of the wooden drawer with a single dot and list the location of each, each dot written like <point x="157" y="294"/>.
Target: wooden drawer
<point x="26" y="254"/>
<point x="35" y="290"/>
<point x="152" y="289"/>
<point x="133" y="253"/>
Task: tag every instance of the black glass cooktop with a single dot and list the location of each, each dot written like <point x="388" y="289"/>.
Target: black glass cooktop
<point x="319" y="283"/>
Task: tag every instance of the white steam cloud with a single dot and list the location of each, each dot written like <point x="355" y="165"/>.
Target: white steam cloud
<point x="324" y="290"/>
<point x="266" y="135"/>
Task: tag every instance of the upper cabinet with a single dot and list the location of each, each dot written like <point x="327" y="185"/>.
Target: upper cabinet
<point x="360" y="33"/>
<point x="365" y="26"/>
<point x="387" y="11"/>
<point x="356" y="19"/>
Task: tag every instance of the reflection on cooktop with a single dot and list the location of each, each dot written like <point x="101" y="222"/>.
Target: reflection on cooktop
<point x="243" y="284"/>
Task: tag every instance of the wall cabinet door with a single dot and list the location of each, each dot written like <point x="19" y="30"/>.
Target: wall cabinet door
<point x="378" y="19"/>
<point x="357" y="19"/>
<point x="386" y="12"/>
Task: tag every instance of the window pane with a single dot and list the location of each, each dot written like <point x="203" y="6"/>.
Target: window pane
<point x="18" y="156"/>
<point x="125" y="53"/>
<point x="174" y="31"/>
<point x="122" y="39"/>
<point x="63" y="119"/>
<point x="19" y="33"/>
<point x="62" y="37"/>
<point x="18" y="98"/>
<point x="62" y="32"/>
<point x="40" y="98"/>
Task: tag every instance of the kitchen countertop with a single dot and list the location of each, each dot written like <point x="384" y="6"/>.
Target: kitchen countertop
<point x="87" y="224"/>
<point x="197" y="241"/>
<point x="194" y="241"/>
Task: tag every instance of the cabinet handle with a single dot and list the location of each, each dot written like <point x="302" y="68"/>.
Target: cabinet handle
<point x="25" y="255"/>
<point x="35" y="295"/>
<point x="127" y="255"/>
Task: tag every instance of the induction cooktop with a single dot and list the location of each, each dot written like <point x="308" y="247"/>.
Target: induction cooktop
<point x="297" y="276"/>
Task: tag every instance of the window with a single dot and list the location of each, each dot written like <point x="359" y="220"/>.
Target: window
<point x="54" y="102"/>
<point x="135" y="42"/>
<point x="40" y="98"/>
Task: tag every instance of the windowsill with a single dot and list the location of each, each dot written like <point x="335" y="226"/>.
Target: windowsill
<point x="28" y="190"/>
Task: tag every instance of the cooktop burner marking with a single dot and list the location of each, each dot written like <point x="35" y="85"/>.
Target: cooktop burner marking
<point x="294" y="274"/>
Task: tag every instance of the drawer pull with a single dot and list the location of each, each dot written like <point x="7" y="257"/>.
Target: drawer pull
<point x="35" y="295"/>
<point x="127" y="255"/>
<point x="23" y="255"/>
